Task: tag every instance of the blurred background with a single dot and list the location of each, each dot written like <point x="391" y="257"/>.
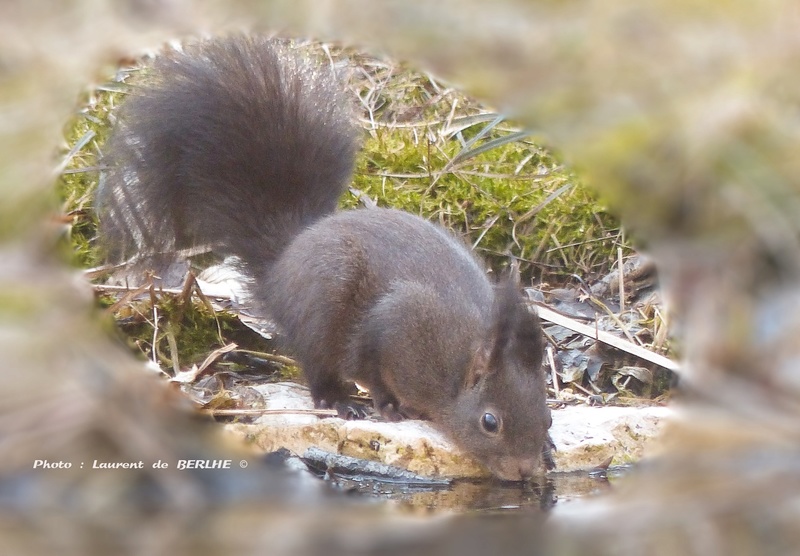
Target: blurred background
<point x="682" y="114"/>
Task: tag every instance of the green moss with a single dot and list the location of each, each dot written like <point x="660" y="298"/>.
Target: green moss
<point x="435" y="152"/>
<point x="184" y="332"/>
<point x="84" y="136"/>
<point x="292" y="373"/>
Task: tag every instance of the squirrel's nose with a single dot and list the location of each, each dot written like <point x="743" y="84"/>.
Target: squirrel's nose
<point x="517" y="468"/>
<point x="528" y="468"/>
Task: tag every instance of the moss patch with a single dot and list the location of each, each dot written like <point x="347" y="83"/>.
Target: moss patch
<point x="434" y="151"/>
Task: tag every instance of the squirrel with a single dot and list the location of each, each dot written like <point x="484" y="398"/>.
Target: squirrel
<point x="243" y="145"/>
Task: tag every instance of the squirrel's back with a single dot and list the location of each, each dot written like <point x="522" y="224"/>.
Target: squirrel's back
<point x="237" y="144"/>
<point x="349" y="263"/>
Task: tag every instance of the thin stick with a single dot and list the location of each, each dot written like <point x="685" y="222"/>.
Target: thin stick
<point x="134" y="290"/>
<point x="552" y="362"/>
<point x="621" y="281"/>
<point x="549" y="315"/>
<point x="155" y="334"/>
<point x="234" y="412"/>
<point x="269" y="356"/>
<point x="213" y="356"/>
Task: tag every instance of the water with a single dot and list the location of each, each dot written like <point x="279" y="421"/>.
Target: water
<point x="487" y="496"/>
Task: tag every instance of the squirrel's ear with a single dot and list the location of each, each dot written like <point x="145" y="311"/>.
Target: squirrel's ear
<point x="516" y="332"/>
<point x="515" y="336"/>
<point x="508" y="303"/>
<point x="490" y="356"/>
<point x="479" y="366"/>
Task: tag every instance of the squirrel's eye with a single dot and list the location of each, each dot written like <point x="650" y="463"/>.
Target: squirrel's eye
<point x="490" y="423"/>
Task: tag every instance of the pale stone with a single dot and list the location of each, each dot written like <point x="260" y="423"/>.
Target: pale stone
<point x="413" y="445"/>
<point x="584" y="436"/>
<point x="588" y="436"/>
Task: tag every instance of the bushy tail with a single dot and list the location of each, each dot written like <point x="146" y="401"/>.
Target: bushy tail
<point x="234" y="143"/>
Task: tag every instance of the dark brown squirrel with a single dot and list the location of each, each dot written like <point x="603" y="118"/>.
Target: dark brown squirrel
<point x="244" y="145"/>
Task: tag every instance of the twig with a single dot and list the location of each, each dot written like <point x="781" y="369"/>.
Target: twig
<point x="251" y="411"/>
<point x="552" y="362"/>
<point x="270" y="357"/>
<point x="549" y="315"/>
<point x="134" y="291"/>
<point x="213" y="356"/>
<point x="155" y="333"/>
<point x="621" y="281"/>
<point x="131" y="293"/>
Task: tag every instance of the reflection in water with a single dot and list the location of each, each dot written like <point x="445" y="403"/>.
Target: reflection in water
<point x="487" y="496"/>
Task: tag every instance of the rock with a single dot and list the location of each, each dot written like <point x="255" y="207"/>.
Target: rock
<point x="584" y="436"/>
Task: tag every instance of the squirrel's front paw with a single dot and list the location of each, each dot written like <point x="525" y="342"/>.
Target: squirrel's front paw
<point x="390" y="413"/>
<point x="351" y="411"/>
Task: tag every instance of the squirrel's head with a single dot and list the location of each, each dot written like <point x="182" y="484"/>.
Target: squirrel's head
<point x="501" y="416"/>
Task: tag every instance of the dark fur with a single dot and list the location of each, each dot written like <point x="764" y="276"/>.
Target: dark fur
<point x="237" y="144"/>
<point x="240" y="145"/>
